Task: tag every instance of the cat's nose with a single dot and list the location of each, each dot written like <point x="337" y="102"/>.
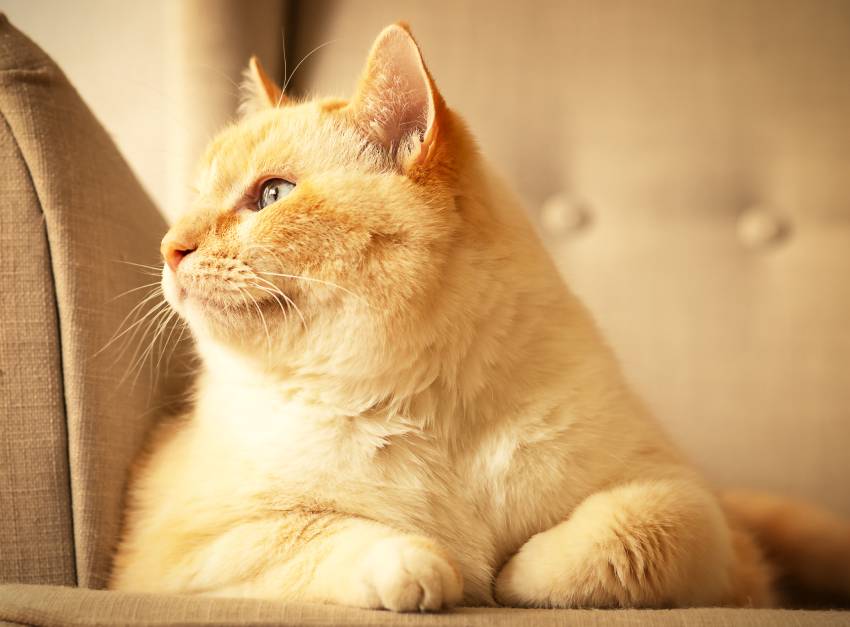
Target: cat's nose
<point x="174" y="250"/>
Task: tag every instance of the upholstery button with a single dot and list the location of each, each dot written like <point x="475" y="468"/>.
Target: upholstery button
<point x="560" y="215"/>
<point x="759" y="227"/>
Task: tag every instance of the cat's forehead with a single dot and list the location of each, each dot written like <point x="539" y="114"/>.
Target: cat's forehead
<point x="294" y="141"/>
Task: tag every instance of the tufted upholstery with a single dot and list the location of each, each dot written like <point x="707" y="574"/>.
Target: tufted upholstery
<point x="689" y="166"/>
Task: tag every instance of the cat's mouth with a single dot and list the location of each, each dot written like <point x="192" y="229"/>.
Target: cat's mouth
<point x="232" y="300"/>
<point x="186" y="295"/>
<point x="235" y="302"/>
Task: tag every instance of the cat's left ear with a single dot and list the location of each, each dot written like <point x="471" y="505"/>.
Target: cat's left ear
<point x="258" y="91"/>
<point x="397" y="105"/>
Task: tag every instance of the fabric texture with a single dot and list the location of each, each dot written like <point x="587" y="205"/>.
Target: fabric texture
<point x="74" y="219"/>
<point x="687" y="165"/>
<point x="36" y="543"/>
<point x="51" y="606"/>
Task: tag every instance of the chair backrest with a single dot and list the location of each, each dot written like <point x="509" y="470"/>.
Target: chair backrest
<point x="71" y="215"/>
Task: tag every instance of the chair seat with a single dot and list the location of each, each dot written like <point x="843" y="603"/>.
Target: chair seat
<point x="57" y="605"/>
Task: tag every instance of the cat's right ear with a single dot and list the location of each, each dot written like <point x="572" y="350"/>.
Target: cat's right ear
<point x="258" y="91"/>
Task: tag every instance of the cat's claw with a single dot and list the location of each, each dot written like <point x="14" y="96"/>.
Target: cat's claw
<point x="409" y="574"/>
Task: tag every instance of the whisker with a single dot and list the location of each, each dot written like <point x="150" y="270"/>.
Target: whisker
<point x="131" y="290"/>
<point x="278" y="291"/>
<point x="136" y="331"/>
<point x="160" y="329"/>
<point x="314" y="280"/>
<point x="215" y="70"/>
<point x="166" y="340"/>
<point x="306" y="56"/>
<point x="279" y="261"/>
<point x="119" y="333"/>
<point x="139" y="265"/>
<point x="263" y="318"/>
<point x="137" y="360"/>
<point x="155" y="341"/>
<point x="274" y="293"/>
<point x="283" y="45"/>
<point x="176" y="342"/>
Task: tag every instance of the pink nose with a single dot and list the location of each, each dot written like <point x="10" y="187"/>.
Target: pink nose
<point x="174" y="251"/>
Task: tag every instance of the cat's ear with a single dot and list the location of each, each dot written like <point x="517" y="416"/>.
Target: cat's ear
<point x="397" y="105"/>
<point x="258" y="91"/>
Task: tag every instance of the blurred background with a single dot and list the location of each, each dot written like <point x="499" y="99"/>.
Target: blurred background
<point x="686" y="162"/>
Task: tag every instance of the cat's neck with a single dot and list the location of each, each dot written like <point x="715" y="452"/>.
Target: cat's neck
<point x="511" y="350"/>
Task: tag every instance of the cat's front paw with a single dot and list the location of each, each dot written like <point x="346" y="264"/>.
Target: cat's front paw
<point x="522" y="580"/>
<point x="409" y="574"/>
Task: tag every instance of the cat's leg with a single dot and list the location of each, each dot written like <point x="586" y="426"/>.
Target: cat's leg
<point x="321" y="557"/>
<point x="650" y="544"/>
<point x="365" y="564"/>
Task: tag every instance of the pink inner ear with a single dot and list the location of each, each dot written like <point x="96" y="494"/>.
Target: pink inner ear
<point x="396" y="99"/>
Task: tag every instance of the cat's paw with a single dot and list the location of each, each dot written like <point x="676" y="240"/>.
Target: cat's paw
<point x="522" y="582"/>
<point x="409" y="574"/>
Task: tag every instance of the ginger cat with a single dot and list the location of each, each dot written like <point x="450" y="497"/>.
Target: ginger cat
<point x="402" y="406"/>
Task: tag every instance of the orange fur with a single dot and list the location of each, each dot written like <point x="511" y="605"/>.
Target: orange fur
<point x="259" y="91"/>
<point x="807" y="548"/>
<point x="402" y="405"/>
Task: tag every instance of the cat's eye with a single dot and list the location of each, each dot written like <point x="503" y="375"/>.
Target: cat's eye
<point x="272" y="191"/>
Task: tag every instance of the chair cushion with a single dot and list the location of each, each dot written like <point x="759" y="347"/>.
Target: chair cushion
<point x="54" y="605"/>
<point x="72" y="212"/>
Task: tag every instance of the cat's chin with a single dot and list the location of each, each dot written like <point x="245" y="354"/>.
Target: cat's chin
<point x="187" y="301"/>
<point x="230" y="323"/>
<point x="192" y="307"/>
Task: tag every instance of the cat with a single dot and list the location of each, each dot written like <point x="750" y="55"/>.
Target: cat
<point x="401" y="405"/>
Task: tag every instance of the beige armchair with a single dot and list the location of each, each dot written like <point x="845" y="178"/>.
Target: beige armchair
<point x="687" y="165"/>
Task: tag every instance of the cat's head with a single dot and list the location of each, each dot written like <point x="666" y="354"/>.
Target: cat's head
<point x="325" y="226"/>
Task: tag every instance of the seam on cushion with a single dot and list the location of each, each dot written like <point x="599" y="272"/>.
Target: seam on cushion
<point x="39" y="62"/>
<point x="36" y="71"/>
<point x="34" y="189"/>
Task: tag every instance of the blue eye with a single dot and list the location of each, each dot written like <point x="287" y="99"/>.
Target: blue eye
<point x="272" y="191"/>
